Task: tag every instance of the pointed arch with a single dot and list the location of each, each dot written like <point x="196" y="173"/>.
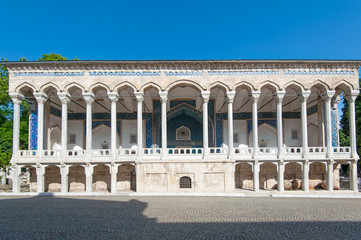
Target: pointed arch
<point x="218" y="83"/>
<point x="124" y="85"/>
<point x="19" y="88"/>
<point x="184" y="82"/>
<point x="321" y="83"/>
<point x="75" y="85"/>
<point x="150" y="85"/>
<point x="269" y="83"/>
<point x="247" y="85"/>
<point x="294" y="84"/>
<point x="49" y="85"/>
<point x="98" y="84"/>
<point x="344" y="86"/>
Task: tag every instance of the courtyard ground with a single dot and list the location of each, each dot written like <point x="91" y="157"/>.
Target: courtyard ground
<point x="124" y="217"/>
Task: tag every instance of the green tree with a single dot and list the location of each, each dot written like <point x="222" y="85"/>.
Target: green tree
<point x="6" y="113"/>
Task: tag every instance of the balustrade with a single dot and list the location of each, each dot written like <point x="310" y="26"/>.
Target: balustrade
<point x="218" y="150"/>
<point x="27" y="153"/>
<point x="185" y="151"/>
<point x="51" y="153"/>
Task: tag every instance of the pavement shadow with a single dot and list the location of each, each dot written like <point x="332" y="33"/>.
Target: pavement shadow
<point x="49" y="217"/>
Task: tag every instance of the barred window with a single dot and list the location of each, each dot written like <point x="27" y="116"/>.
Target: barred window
<point x="185" y="182"/>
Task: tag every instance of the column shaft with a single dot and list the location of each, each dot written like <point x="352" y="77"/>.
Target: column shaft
<point x="303" y="96"/>
<point x="254" y="98"/>
<point x="17" y="99"/>
<point x="113" y="176"/>
<point x="230" y="96"/>
<point x="205" y="95"/>
<point x="41" y="99"/>
<point x="64" y="98"/>
<point x="64" y="178"/>
<point x="89" y="99"/>
<point x="354" y="176"/>
<point x="327" y="96"/>
<point x="280" y="180"/>
<point x="279" y="98"/>
<point x="330" y="176"/>
<point x="164" y="99"/>
<point x="89" y="169"/>
<point x="140" y="97"/>
<point x="305" y="182"/>
<point x="40" y="179"/>
<point x="15" y="170"/>
<point x="113" y="96"/>
<point x="351" y="98"/>
<point x="256" y="176"/>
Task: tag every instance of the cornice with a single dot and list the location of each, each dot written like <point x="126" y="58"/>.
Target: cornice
<point x="185" y="65"/>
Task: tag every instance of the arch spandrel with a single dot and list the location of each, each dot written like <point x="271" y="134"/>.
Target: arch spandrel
<point x="98" y="84"/>
<point x="48" y="85"/>
<point x="270" y="84"/>
<point x="25" y="85"/>
<point x="218" y="84"/>
<point x="124" y="85"/>
<point x="343" y="86"/>
<point x="245" y="85"/>
<point x="295" y="85"/>
<point x="148" y="85"/>
<point x="189" y="83"/>
<point x="72" y="85"/>
<point x="320" y="85"/>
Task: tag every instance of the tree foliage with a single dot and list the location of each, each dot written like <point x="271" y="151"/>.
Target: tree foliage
<point x="6" y="113"/>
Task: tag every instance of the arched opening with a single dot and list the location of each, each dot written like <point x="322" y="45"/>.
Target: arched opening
<point x="126" y="178"/>
<point x="30" y="175"/>
<point x="101" y="179"/>
<point x="244" y="176"/>
<point x="342" y="175"/>
<point x="185" y="182"/>
<point x="76" y="179"/>
<point x="52" y="179"/>
<point x="268" y="176"/>
<point x="293" y="176"/>
<point x="101" y="137"/>
<point x="55" y="138"/>
<point x="267" y="136"/>
<point x="317" y="176"/>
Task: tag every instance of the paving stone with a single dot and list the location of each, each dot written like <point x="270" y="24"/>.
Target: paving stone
<point x="118" y="217"/>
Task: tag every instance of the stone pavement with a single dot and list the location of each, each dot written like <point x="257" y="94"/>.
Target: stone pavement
<point x="124" y="217"/>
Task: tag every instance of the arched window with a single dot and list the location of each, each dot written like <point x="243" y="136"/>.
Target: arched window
<point x="185" y="182"/>
<point x="183" y="133"/>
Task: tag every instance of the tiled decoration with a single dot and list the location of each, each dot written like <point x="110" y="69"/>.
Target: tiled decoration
<point x="237" y="73"/>
<point x="184" y="73"/>
<point x="298" y="72"/>
<point x="125" y="74"/>
<point x="334" y="128"/>
<point x="48" y="74"/>
<point x="33" y="129"/>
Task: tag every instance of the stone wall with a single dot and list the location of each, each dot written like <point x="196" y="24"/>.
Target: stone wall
<point x="101" y="179"/>
<point x="76" y="179"/>
<point x="52" y="179"/>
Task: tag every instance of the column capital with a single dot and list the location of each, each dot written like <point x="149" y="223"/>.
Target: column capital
<point x="139" y="96"/>
<point x="205" y="96"/>
<point x="163" y="96"/>
<point x="352" y="95"/>
<point x="279" y="95"/>
<point x="64" y="97"/>
<point x="230" y="96"/>
<point x="304" y="95"/>
<point x="113" y="96"/>
<point x="16" y="97"/>
<point x="40" y="97"/>
<point x="255" y="95"/>
<point x="88" y="97"/>
<point x="327" y="95"/>
<point x="334" y="102"/>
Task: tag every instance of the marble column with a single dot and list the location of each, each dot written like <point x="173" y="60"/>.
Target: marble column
<point x="41" y="99"/>
<point x="205" y="95"/>
<point x="164" y="98"/>
<point x="256" y="176"/>
<point x="17" y="99"/>
<point x="330" y="175"/>
<point x="89" y="99"/>
<point x="64" y="178"/>
<point x="230" y="97"/>
<point x="305" y="182"/>
<point x="89" y="170"/>
<point x="65" y="99"/>
<point x="254" y="98"/>
<point x="327" y="96"/>
<point x="113" y="177"/>
<point x="40" y="171"/>
<point x="113" y="96"/>
<point x="140" y="98"/>
<point x="303" y="96"/>
<point x="280" y="178"/>
<point x="354" y="179"/>
<point x="15" y="171"/>
<point x="279" y="95"/>
<point x="351" y="98"/>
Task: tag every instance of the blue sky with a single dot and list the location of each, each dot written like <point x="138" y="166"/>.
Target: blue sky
<point x="101" y="30"/>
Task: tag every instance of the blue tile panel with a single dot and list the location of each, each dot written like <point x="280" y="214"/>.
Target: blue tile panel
<point x="297" y="72"/>
<point x="237" y="73"/>
<point x="334" y="128"/>
<point x="33" y="130"/>
<point x="125" y="74"/>
<point x="48" y="74"/>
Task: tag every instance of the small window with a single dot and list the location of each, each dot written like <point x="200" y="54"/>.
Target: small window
<point x="294" y="134"/>
<point x="133" y="138"/>
<point x="236" y="137"/>
<point x="185" y="182"/>
<point x="183" y="133"/>
<point x="72" y="139"/>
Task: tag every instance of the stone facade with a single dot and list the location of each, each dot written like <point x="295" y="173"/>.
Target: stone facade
<point x="183" y="126"/>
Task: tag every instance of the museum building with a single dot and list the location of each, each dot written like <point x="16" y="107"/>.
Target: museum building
<point x="183" y="126"/>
